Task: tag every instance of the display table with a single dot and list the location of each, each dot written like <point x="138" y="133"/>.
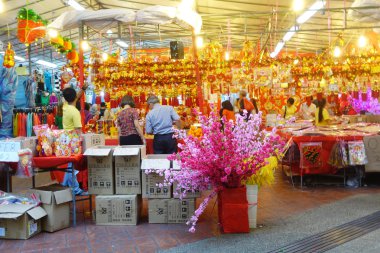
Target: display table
<point x="53" y="163"/>
<point x="327" y="145"/>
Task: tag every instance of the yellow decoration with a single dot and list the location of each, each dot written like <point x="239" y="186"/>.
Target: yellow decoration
<point x="265" y="175"/>
<point x="9" y="57"/>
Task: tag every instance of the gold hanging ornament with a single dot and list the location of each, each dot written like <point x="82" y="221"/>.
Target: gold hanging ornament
<point x="9" y="57"/>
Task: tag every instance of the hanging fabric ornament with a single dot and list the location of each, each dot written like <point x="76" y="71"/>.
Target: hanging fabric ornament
<point x="9" y="57"/>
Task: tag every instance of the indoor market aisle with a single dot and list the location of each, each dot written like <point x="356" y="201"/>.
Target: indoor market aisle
<point x="287" y="214"/>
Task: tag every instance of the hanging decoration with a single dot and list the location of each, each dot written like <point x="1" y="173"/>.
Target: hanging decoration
<point x="9" y="57"/>
<point x="30" y="26"/>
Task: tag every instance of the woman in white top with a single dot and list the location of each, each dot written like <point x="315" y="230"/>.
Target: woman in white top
<point x="307" y="110"/>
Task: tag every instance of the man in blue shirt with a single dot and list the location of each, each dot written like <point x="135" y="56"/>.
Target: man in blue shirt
<point x="159" y="121"/>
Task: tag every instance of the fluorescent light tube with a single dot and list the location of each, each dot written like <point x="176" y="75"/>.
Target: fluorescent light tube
<point x="122" y="43"/>
<point x="290" y="34"/>
<point x="19" y="58"/>
<point x="75" y="5"/>
<point x="310" y="12"/>
<point x="279" y="46"/>
<point x="47" y="64"/>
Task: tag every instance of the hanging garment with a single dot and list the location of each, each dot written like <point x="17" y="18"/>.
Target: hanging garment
<point x="47" y="80"/>
<point x="8" y="86"/>
<point x="53" y="99"/>
<point x="50" y="119"/>
<point x="45" y="98"/>
<point x="15" y="125"/>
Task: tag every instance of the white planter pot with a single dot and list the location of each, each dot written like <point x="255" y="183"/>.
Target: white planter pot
<point x="252" y="191"/>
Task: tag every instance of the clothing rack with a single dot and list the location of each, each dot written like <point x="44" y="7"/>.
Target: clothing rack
<point x="37" y="109"/>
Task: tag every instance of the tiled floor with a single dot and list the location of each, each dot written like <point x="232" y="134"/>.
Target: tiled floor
<point x="275" y="203"/>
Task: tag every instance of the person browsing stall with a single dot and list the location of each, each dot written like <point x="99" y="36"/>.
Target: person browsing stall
<point x="307" y="110"/>
<point x="159" y="121"/>
<point x="227" y="111"/>
<point x="130" y="132"/>
<point x="245" y="104"/>
<point x="71" y="120"/>
<point x="322" y="116"/>
<point x="289" y="109"/>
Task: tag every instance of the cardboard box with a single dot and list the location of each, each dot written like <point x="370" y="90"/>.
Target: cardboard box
<point x="118" y="209"/>
<point x="56" y="202"/>
<point x="149" y="182"/>
<point x="9" y="148"/>
<point x="189" y="195"/>
<point x="170" y="210"/>
<point x="91" y="140"/>
<point x="127" y="170"/>
<point x="100" y="170"/>
<point x="20" y="221"/>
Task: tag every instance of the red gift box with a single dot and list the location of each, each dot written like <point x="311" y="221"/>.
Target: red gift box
<point x="233" y="210"/>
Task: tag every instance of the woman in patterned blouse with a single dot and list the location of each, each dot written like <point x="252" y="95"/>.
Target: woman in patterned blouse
<point x="130" y="132"/>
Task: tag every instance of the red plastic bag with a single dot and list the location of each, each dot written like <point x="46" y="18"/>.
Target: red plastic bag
<point x="233" y="210"/>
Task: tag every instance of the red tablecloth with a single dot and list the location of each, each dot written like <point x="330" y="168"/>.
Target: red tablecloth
<point x="54" y="161"/>
<point x="61" y="162"/>
<point x="327" y="145"/>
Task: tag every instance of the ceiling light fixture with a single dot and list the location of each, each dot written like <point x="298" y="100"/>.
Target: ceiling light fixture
<point x="227" y="56"/>
<point x="105" y="56"/>
<point x="75" y="5"/>
<point x="199" y="42"/>
<point x="53" y="33"/>
<point x="85" y="46"/>
<point x="46" y="63"/>
<point x="297" y="5"/>
<point x="1" y="6"/>
<point x="337" y="52"/>
<point x="311" y="11"/>
<point x="121" y="43"/>
<point x="362" y="42"/>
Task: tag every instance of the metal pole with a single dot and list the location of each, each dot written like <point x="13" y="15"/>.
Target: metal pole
<point x="29" y="60"/>
<point x="198" y="76"/>
<point x="81" y="69"/>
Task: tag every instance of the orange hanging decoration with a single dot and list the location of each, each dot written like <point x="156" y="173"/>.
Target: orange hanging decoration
<point x="9" y="57"/>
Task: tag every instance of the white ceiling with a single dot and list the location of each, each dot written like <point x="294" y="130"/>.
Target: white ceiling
<point x="247" y="19"/>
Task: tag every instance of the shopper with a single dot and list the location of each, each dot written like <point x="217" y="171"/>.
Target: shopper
<point x="245" y="106"/>
<point x="59" y="116"/>
<point x="87" y="114"/>
<point x="130" y="132"/>
<point x="307" y="110"/>
<point x="322" y="116"/>
<point x="105" y="112"/>
<point x="289" y="109"/>
<point x="71" y="120"/>
<point x="227" y="111"/>
<point x="159" y="121"/>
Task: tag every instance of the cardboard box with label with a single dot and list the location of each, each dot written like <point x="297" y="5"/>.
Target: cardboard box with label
<point x="9" y="148"/>
<point x="100" y="170"/>
<point x="128" y="169"/>
<point x="150" y="181"/>
<point x="56" y="202"/>
<point x="118" y="209"/>
<point x="92" y="140"/>
<point x="190" y="195"/>
<point x="170" y="210"/>
<point x="20" y="221"/>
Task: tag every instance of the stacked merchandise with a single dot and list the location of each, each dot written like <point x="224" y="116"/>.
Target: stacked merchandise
<point x="114" y="175"/>
<point x="162" y="207"/>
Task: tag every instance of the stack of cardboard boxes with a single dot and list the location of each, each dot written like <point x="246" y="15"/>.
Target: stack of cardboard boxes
<point x="114" y="176"/>
<point x="162" y="207"/>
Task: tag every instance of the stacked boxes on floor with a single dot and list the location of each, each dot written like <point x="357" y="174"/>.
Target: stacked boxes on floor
<point x="114" y="176"/>
<point x="162" y="207"/>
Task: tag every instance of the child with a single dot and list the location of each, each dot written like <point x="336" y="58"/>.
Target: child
<point x="71" y="120"/>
